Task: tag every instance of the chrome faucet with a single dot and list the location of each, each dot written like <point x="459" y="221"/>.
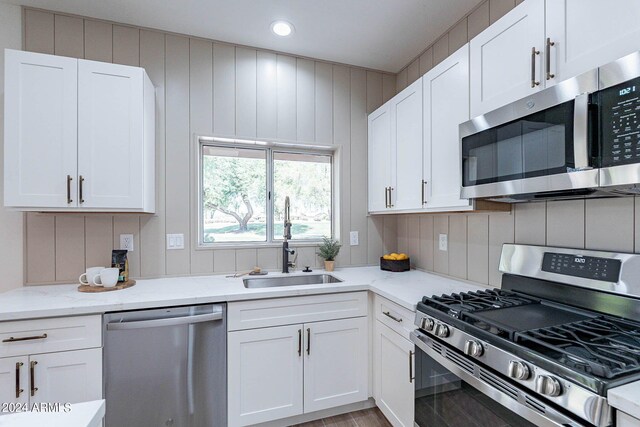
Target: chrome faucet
<point x="287" y="235"/>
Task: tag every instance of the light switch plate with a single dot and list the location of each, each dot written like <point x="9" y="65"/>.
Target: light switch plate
<point x="443" y="242"/>
<point x="353" y="238"/>
<point x="126" y="242"/>
<point x="175" y="241"/>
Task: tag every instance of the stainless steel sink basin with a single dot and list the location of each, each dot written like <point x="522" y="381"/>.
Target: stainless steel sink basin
<point x="308" y="279"/>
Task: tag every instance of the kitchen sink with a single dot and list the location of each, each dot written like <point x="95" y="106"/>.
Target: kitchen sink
<point x="269" y="282"/>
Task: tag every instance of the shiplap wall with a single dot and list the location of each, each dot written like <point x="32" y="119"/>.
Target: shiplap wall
<point x="209" y="88"/>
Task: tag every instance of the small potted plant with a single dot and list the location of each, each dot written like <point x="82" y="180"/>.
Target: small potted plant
<point x="328" y="251"/>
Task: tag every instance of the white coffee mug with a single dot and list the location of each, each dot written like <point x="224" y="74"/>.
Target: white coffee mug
<point x="108" y="277"/>
<point x="90" y="275"/>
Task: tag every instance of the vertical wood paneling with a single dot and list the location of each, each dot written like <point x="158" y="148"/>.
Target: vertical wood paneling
<point x="388" y="87"/>
<point x="458" y="36"/>
<point x="478" y="20"/>
<point x="458" y="246"/>
<point x="565" y="223"/>
<point x="426" y="242"/>
<point x="375" y="236"/>
<point x="531" y="223"/>
<point x="177" y="134"/>
<point x="401" y="80"/>
<point x="224" y="89"/>
<point x="267" y="95"/>
<point x="98" y="41"/>
<point x="374" y="91"/>
<point x="126" y="45"/>
<point x="403" y="235"/>
<point x="69" y="36"/>
<point x="413" y="71"/>
<point x="224" y="261"/>
<point x="39" y="31"/>
<point x="98" y="240"/>
<point x="609" y="224"/>
<point x="342" y="138"/>
<point x="440" y="258"/>
<point x="413" y="238"/>
<point x="200" y="123"/>
<point x="128" y="224"/>
<point x="152" y="227"/>
<point x="40" y="248"/>
<point x="246" y="81"/>
<point x="390" y="234"/>
<point x="358" y="169"/>
<point x="499" y="8"/>
<point x="69" y="247"/>
<point x="268" y="258"/>
<point x="324" y="103"/>
<point x="305" y="99"/>
<point x="286" y="97"/>
<point x="426" y="61"/>
<point x="246" y="259"/>
<point x="440" y="49"/>
<point x="478" y="248"/>
<point x="501" y="230"/>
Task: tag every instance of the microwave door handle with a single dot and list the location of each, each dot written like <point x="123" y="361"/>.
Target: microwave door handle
<point x="581" y="132"/>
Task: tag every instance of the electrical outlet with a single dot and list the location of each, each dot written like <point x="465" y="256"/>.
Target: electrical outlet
<point x="443" y="242"/>
<point x="175" y="241"/>
<point x="353" y="238"/>
<point x="126" y="242"/>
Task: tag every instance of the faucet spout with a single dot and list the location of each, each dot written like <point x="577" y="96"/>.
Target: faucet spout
<point x="287" y="219"/>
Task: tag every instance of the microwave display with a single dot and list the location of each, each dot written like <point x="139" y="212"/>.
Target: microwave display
<point x="620" y="124"/>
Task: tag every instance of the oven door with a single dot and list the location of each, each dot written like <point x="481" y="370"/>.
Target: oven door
<point x="535" y="145"/>
<point x="452" y="390"/>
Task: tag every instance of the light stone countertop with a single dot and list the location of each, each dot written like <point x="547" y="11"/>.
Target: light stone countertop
<point x="626" y="398"/>
<point x="86" y="414"/>
<point x="405" y="288"/>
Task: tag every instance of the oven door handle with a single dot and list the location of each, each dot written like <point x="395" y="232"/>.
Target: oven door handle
<point x="581" y="132"/>
<point x="551" y="417"/>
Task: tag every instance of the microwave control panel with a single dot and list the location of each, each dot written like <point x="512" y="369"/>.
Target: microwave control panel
<point x="620" y="124"/>
<point x="587" y="267"/>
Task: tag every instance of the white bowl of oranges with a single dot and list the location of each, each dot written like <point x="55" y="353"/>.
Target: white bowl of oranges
<point x="395" y="262"/>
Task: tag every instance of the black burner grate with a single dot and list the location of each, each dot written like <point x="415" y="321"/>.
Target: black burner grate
<point x="601" y="346"/>
<point x="470" y="302"/>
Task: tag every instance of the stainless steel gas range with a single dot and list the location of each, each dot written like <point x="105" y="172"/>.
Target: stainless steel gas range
<point x="543" y="350"/>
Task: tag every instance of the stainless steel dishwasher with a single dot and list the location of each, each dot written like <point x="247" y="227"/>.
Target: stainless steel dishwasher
<point x="166" y="367"/>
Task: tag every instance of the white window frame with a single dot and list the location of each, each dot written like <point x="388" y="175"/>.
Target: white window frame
<point x="269" y="147"/>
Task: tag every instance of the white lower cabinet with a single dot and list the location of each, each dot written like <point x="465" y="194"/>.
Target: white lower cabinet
<point x="394" y="375"/>
<point x="284" y="371"/>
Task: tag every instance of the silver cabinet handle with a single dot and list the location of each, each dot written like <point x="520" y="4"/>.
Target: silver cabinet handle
<point x="411" y="376"/>
<point x="534" y="52"/>
<point x="170" y="321"/>
<point x="423" y="185"/>
<point x="69" y="179"/>
<point x="386" y="197"/>
<point x="308" y="341"/>
<point x="548" y="72"/>
<point x="80" y="189"/>
<point x="34" y="337"/>
<point x="18" y="389"/>
<point x="32" y="374"/>
<point x="391" y="316"/>
<point x="299" y="342"/>
<point x="390" y="203"/>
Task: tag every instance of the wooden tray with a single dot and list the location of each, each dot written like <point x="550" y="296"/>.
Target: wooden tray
<point x="92" y="289"/>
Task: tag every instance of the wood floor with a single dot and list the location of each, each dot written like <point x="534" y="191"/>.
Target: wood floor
<point x="365" y="418"/>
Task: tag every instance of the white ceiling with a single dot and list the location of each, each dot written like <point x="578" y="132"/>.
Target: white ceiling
<point x="378" y="34"/>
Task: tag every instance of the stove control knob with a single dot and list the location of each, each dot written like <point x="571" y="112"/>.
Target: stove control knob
<point x="519" y="370"/>
<point x="427" y="324"/>
<point x="442" y="331"/>
<point x="473" y="348"/>
<point x="548" y="386"/>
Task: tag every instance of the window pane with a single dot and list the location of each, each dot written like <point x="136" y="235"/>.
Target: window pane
<point x="306" y="179"/>
<point x="234" y="183"/>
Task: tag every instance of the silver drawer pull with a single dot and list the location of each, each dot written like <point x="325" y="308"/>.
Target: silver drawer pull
<point x="35" y="337"/>
<point x="391" y="316"/>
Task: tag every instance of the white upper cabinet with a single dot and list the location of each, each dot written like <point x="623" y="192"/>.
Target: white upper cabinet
<point x="79" y="135"/>
<point x="379" y="129"/>
<point x="446" y="105"/>
<point x="589" y="33"/>
<point x="41" y="110"/>
<point x="406" y="143"/>
<point x="506" y="58"/>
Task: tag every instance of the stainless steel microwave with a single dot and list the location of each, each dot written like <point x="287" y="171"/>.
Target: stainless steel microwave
<point x="577" y="139"/>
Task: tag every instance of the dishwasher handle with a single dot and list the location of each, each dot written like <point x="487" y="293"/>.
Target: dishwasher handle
<point x="169" y="321"/>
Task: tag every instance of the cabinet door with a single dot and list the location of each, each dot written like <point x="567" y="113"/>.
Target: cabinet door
<point x="393" y="375"/>
<point x="40" y="130"/>
<point x="379" y="157"/>
<point x="446" y="105"/>
<point x="336" y="368"/>
<point x="69" y="376"/>
<point x="406" y="148"/>
<point x="501" y="58"/>
<point x="14" y="383"/>
<point x="265" y="367"/>
<point x="110" y="135"/>
<point x="589" y="33"/>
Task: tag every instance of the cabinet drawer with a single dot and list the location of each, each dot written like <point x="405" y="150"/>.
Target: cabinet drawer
<point x="394" y="316"/>
<point x="49" y="335"/>
<point x="287" y="311"/>
<point x="624" y="420"/>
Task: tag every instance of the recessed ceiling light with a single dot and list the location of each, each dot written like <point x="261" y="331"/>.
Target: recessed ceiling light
<point x="282" y="28"/>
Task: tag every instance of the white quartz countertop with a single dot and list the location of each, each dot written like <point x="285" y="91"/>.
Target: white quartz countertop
<point x="626" y="398"/>
<point x="86" y="414"/>
<point x="406" y="289"/>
